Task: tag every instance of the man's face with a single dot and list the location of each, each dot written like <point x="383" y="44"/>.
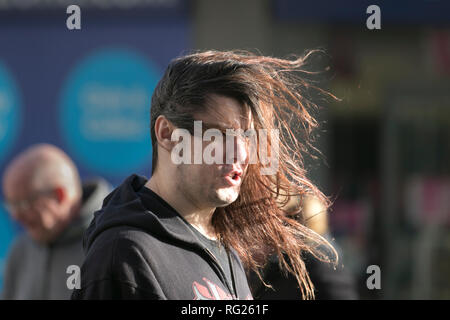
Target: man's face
<point x="38" y="211"/>
<point x="217" y="185"/>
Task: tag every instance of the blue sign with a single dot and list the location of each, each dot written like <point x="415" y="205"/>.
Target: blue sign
<point x="9" y="111"/>
<point x="8" y="231"/>
<point x="105" y="111"/>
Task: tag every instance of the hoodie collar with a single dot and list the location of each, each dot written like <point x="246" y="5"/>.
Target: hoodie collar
<point x="124" y="207"/>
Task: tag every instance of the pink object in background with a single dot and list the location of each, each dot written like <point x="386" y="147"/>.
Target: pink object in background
<point x="427" y="199"/>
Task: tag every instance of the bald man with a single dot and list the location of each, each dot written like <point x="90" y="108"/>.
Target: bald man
<point x="43" y="192"/>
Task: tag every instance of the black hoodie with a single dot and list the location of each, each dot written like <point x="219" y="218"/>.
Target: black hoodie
<point x="137" y="252"/>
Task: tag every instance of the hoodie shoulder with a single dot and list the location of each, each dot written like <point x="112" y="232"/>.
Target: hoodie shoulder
<point x="112" y="242"/>
<point x="117" y="268"/>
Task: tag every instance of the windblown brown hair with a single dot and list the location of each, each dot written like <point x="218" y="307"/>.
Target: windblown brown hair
<point x="276" y="92"/>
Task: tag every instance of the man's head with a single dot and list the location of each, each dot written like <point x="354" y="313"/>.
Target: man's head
<point x="218" y="89"/>
<point x="240" y="90"/>
<point x="42" y="189"/>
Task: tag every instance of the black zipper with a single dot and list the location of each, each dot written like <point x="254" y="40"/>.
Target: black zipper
<point x="219" y="269"/>
<point x="233" y="279"/>
<point x="222" y="273"/>
<point x="230" y="261"/>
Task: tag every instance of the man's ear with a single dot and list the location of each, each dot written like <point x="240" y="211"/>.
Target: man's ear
<point x="163" y="133"/>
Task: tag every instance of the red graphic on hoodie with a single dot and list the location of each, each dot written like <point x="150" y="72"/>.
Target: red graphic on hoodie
<point x="209" y="292"/>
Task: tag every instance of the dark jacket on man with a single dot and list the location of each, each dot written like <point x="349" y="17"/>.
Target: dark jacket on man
<point x="36" y="271"/>
<point x="139" y="247"/>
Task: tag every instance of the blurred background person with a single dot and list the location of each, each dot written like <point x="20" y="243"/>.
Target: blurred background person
<point x="43" y="193"/>
<point x="329" y="283"/>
